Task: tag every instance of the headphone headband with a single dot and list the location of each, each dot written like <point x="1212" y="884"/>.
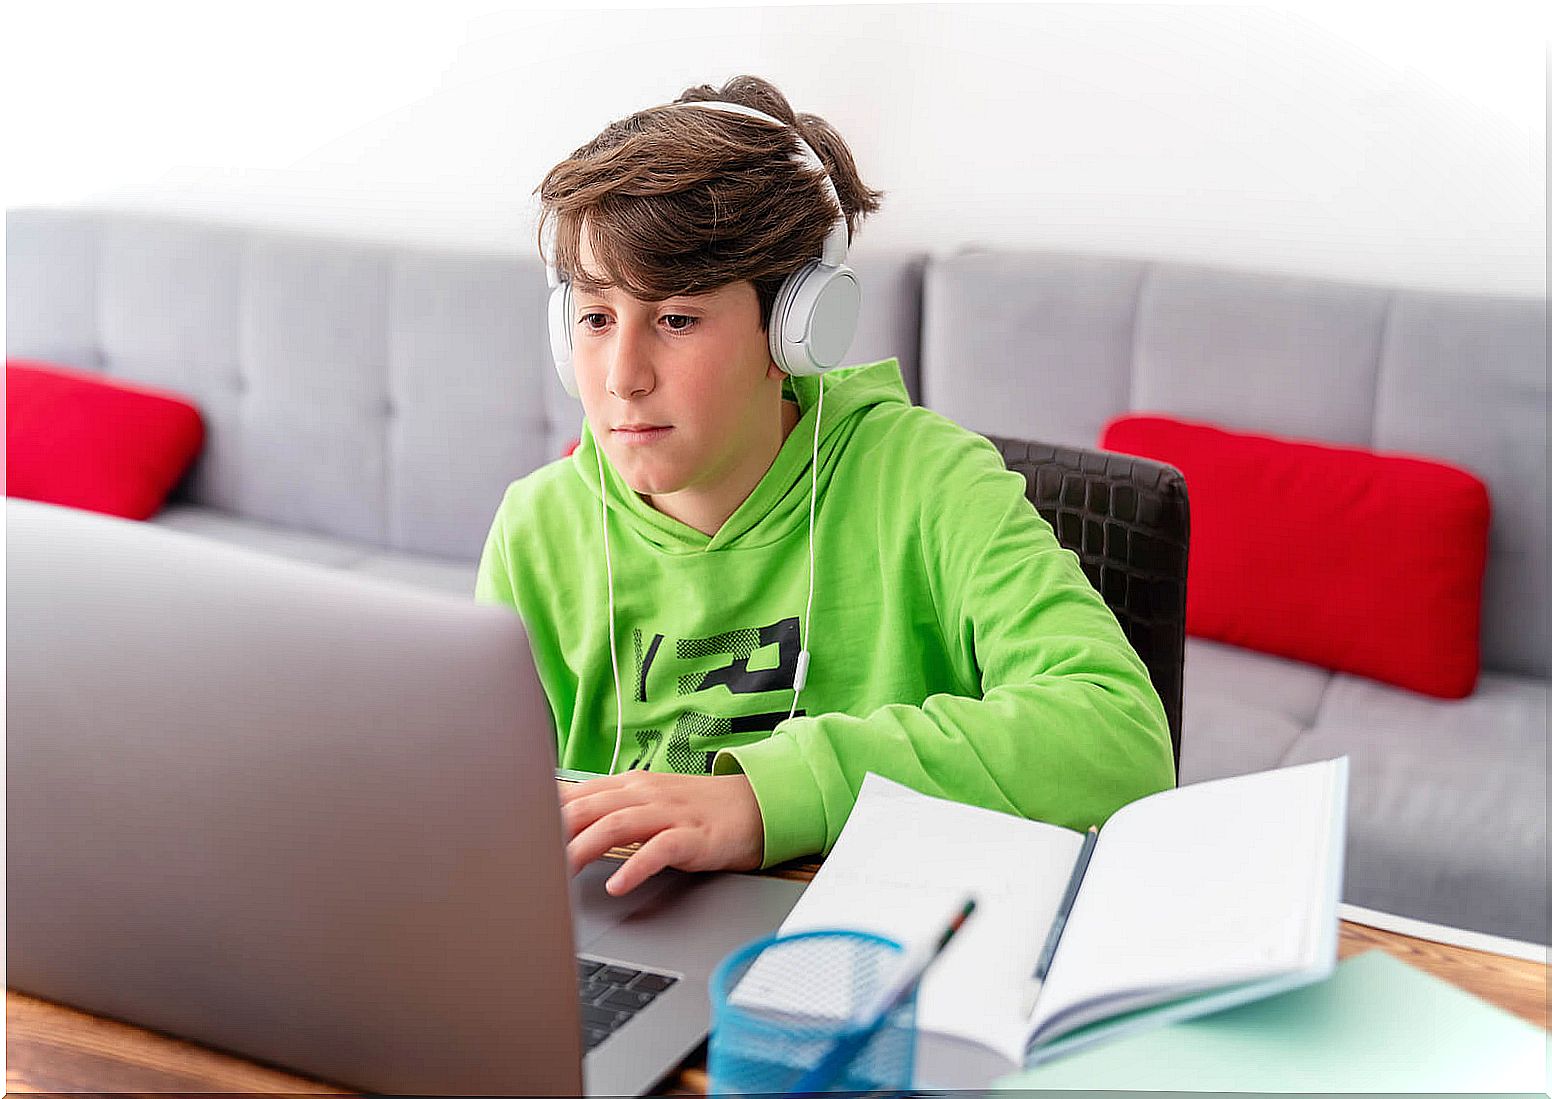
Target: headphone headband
<point x="836" y="243"/>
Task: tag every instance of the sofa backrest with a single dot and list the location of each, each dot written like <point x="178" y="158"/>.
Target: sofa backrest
<point x="389" y="393"/>
<point x="383" y="393"/>
<point x="1051" y="345"/>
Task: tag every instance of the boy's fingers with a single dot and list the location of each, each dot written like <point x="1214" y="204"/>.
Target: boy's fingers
<point x="580" y="812"/>
<point x="656" y="854"/>
<point x="571" y="791"/>
<point x="624" y="826"/>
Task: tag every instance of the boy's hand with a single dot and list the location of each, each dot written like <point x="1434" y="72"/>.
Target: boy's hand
<point x="692" y="822"/>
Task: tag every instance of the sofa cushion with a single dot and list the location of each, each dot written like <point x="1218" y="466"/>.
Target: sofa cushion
<point x="1339" y="556"/>
<point x="436" y="574"/>
<point x="257" y="534"/>
<point x="1223" y="736"/>
<point x="386" y="392"/>
<point x="1243" y="710"/>
<point x="1071" y="340"/>
<point x="80" y="440"/>
<point x="1290" y="688"/>
<point x="1448" y="800"/>
<point x="1463" y="378"/>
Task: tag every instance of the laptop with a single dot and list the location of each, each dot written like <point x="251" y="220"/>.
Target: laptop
<point x="311" y="818"/>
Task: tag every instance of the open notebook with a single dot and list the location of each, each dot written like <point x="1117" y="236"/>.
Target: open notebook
<point x="1196" y="899"/>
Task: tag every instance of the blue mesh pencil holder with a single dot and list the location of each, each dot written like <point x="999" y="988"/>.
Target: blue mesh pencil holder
<point x="779" y="1004"/>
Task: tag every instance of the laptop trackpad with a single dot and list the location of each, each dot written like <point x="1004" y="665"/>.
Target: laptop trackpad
<point x="594" y="912"/>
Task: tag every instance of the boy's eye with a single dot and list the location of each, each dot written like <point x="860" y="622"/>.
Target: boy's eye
<point x="689" y="322"/>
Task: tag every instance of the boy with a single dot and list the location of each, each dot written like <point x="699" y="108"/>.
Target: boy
<point x="718" y="507"/>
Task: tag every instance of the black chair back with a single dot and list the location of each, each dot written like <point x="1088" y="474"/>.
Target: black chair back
<point x="1129" y="522"/>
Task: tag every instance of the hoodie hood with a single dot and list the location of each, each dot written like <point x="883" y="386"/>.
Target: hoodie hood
<point x="779" y="503"/>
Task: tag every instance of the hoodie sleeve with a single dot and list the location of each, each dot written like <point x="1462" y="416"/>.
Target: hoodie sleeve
<point x="493" y="579"/>
<point x="1068" y="727"/>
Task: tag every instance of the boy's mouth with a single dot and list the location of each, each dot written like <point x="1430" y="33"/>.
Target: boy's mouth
<point x="642" y="433"/>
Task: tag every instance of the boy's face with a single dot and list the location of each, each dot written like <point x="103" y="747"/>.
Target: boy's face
<point x="696" y="371"/>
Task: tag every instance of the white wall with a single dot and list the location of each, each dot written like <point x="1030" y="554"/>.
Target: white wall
<point x="1400" y="144"/>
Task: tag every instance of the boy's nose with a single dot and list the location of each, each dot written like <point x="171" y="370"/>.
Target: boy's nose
<point x="630" y="368"/>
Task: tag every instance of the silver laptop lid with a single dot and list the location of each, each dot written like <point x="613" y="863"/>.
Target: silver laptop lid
<point x="306" y="817"/>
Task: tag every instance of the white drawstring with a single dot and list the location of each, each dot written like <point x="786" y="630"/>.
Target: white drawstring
<point x="614" y="660"/>
<point x="800" y="677"/>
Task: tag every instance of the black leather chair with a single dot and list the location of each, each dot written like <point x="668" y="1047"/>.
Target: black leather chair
<point x="1129" y="522"/>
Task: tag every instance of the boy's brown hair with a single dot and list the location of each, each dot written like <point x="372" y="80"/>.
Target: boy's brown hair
<point x="686" y="201"/>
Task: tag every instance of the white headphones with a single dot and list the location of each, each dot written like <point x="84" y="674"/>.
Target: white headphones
<point x="813" y="318"/>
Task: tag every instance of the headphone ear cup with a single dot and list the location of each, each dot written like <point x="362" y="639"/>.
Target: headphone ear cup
<point x="560" y="336"/>
<point x="814" y="318"/>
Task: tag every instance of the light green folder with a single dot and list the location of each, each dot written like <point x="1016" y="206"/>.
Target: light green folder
<point x="1376" y="1024"/>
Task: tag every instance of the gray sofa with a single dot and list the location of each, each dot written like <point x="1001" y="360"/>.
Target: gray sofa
<point x="367" y="405"/>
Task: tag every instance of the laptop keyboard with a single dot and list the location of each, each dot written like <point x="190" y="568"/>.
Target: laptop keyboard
<point x="612" y="994"/>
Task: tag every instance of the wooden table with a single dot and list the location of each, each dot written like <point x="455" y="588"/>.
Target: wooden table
<point x="54" y="1048"/>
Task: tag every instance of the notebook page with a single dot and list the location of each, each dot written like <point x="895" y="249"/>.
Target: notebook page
<point x="1205" y="885"/>
<point x="902" y="862"/>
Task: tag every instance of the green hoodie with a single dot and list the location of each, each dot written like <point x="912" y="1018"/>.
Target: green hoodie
<point x="955" y="646"/>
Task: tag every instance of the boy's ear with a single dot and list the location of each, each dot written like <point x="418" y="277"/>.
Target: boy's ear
<point x="774" y="372"/>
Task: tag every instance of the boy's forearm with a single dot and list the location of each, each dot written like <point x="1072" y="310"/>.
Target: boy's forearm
<point x="1067" y="749"/>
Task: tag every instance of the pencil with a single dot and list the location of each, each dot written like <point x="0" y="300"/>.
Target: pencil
<point x="1063" y="910"/>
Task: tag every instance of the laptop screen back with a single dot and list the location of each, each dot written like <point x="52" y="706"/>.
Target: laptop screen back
<point x="305" y="817"/>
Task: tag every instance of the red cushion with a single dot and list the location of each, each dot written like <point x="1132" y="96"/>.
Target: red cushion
<point x="1338" y="556"/>
<point x="76" y="438"/>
